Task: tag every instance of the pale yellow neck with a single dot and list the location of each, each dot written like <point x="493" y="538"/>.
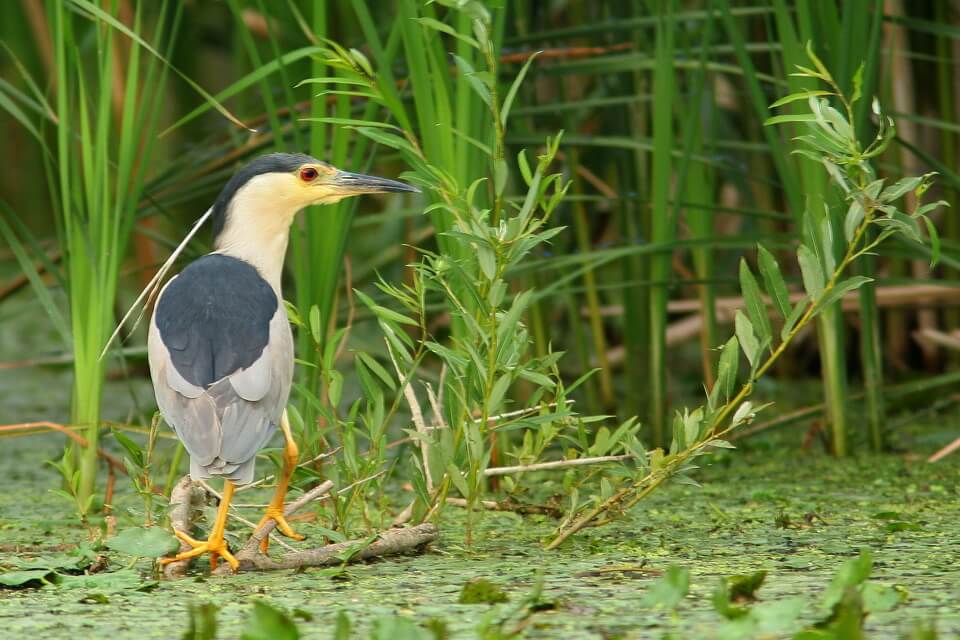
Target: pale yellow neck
<point x="257" y="228"/>
<point x="265" y="253"/>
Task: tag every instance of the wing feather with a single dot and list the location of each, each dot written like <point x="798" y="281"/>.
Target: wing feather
<point x="225" y="424"/>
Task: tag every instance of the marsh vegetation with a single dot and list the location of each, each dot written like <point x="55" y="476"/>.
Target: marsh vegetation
<point x="661" y="347"/>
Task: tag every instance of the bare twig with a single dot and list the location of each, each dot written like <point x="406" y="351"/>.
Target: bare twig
<point x="417" y="415"/>
<point x="944" y="452"/>
<point x="554" y="464"/>
<point x="114" y="463"/>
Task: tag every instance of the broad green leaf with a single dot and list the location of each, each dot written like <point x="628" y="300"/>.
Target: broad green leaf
<point x="900" y="188"/>
<point x="150" y="542"/>
<point x="852" y="573"/>
<point x="26" y="577"/>
<point x="670" y="590"/>
<point x="120" y="581"/>
<point x="268" y="623"/>
<point x="813" y="281"/>
<point x="878" y="598"/>
<point x="756" y="308"/>
<point x="773" y="279"/>
<point x="902" y="224"/>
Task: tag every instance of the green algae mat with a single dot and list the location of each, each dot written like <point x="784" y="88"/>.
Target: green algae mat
<point x="809" y="522"/>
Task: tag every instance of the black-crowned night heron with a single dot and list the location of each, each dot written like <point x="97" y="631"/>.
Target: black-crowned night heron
<point x="220" y="346"/>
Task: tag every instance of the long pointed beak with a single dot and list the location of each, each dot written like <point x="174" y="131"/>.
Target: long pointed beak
<point x="351" y="184"/>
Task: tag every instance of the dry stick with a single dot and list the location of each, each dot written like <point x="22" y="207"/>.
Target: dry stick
<point x="554" y="464"/>
<point x="417" y="415"/>
<point x="185" y="496"/>
<point x="67" y="431"/>
<point x="390" y="542"/>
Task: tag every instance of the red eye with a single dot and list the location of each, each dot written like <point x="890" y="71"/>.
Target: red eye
<point x="308" y="174"/>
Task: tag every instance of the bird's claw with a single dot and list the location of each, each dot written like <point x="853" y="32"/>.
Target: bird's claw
<point x="276" y="514"/>
<point x="216" y="546"/>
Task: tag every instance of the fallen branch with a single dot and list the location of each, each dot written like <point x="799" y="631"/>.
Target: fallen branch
<point x="389" y="542"/>
<point x="186" y="497"/>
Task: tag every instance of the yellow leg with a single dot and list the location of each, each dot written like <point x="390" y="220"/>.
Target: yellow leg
<point x="275" y="509"/>
<point x="215" y="545"/>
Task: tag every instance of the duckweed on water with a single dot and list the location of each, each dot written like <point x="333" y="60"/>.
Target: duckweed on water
<point x="804" y="520"/>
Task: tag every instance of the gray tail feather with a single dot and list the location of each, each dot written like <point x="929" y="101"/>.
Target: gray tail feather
<point x="240" y="473"/>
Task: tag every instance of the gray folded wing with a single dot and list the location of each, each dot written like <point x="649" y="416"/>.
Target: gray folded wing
<point x="221" y="366"/>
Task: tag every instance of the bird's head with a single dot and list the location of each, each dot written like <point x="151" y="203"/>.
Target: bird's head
<point x="266" y="194"/>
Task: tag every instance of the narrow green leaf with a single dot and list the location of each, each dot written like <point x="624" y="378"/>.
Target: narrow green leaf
<point x="498" y="392"/>
<point x="727" y="368"/>
<point x="801" y="95"/>
<point x="801" y="117"/>
<point x="841" y="288"/>
<point x="378" y="369"/>
<point x="447" y="29"/>
<point x="747" y="338"/>
<point x="934" y="241"/>
<point x="512" y="93"/>
<point x="475" y="80"/>
<point x="756" y="308"/>
<point x="793" y="319"/>
<point x="773" y="279"/>
<point x="316" y="330"/>
<point x="900" y="188"/>
<point x="811" y="270"/>
<point x="854" y="217"/>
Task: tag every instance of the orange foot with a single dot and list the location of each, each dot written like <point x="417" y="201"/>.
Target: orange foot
<point x="215" y="545"/>
<point x="276" y="514"/>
